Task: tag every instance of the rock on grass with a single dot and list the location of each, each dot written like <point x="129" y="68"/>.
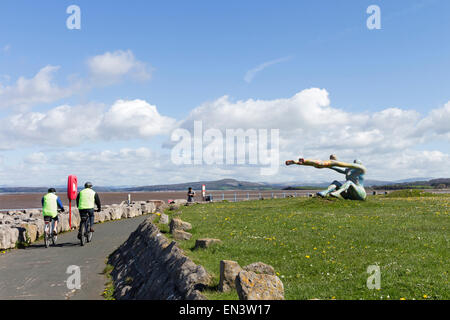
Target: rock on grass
<point x="252" y="286"/>
<point x="181" y="235"/>
<point x="178" y="224"/>
<point x="228" y="273"/>
<point x="260" y="268"/>
<point x="206" y="243"/>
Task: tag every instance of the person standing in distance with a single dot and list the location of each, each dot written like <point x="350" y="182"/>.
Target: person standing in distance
<point x="87" y="199"/>
<point x="190" y="195"/>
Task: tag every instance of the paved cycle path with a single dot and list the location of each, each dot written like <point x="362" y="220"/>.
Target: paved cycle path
<point x="40" y="273"/>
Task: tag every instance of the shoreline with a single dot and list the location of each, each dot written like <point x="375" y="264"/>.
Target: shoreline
<point x="24" y="201"/>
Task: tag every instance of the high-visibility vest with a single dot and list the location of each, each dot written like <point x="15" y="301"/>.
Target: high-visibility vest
<point x="50" y="206"/>
<point x="87" y="199"/>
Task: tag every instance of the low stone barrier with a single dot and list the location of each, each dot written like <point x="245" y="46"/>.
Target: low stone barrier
<point x="27" y="225"/>
<point x="150" y="267"/>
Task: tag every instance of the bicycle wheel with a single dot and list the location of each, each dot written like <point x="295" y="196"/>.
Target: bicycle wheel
<point x="88" y="232"/>
<point x="83" y="231"/>
<point x="46" y="236"/>
<point x="54" y="237"/>
<point x="46" y="240"/>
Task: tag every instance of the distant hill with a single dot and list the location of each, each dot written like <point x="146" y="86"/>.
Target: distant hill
<point x="413" y="180"/>
<point x="22" y="189"/>
<point x="440" y="183"/>
<point x="224" y="184"/>
<point x="367" y="183"/>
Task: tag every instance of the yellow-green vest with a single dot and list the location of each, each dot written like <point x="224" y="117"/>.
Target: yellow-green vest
<point x="87" y="199"/>
<point x="50" y="206"/>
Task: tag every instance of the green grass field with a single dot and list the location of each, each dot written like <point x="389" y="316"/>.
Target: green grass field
<point x="321" y="248"/>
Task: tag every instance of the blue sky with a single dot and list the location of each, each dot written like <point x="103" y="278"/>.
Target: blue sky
<point x="190" y="44"/>
<point x="197" y="52"/>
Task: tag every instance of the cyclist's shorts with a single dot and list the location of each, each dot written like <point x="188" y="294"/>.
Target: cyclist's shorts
<point x="50" y="219"/>
<point x="86" y="212"/>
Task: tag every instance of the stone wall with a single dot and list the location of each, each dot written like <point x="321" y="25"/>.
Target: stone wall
<point x="28" y="225"/>
<point x="149" y="266"/>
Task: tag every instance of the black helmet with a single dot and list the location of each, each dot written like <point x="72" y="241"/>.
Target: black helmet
<point x="88" y="185"/>
<point x="51" y="190"/>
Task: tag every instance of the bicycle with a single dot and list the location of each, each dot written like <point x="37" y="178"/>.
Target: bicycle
<point x="86" y="234"/>
<point x="48" y="231"/>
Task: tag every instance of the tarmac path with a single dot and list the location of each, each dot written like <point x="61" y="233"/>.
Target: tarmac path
<point x="40" y="273"/>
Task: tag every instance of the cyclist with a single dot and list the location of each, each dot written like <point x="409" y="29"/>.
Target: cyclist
<point x="87" y="199"/>
<point x="50" y="206"/>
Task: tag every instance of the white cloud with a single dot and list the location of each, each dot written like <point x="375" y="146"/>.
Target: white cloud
<point x="72" y="125"/>
<point x="438" y="121"/>
<point x="308" y="121"/>
<point x="105" y="69"/>
<point x="311" y="127"/>
<point x="63" y="125"/>
<point x="307" y="109"/>
<point x="136" y="118"/>
<point x="386" y="141"/>
<point x="409" y="163"/>
<point x="112" y="66"/>
<point x="126" y="166"/>
<point x="36" y="158"/>
<point x="143" y="166"/>
<point x="252" y="73"/>
<point x="31" y="91"/>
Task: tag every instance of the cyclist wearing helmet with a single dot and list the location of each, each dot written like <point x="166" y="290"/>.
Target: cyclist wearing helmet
<point x="50" y="205"/>
<point x="87" y="199"/>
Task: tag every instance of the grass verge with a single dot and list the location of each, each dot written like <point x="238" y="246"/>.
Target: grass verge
<point x="109" y="286"/>
<point x="321" y="248"/>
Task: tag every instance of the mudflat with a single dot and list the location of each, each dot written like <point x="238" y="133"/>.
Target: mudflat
<point x="33" y="200"/>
